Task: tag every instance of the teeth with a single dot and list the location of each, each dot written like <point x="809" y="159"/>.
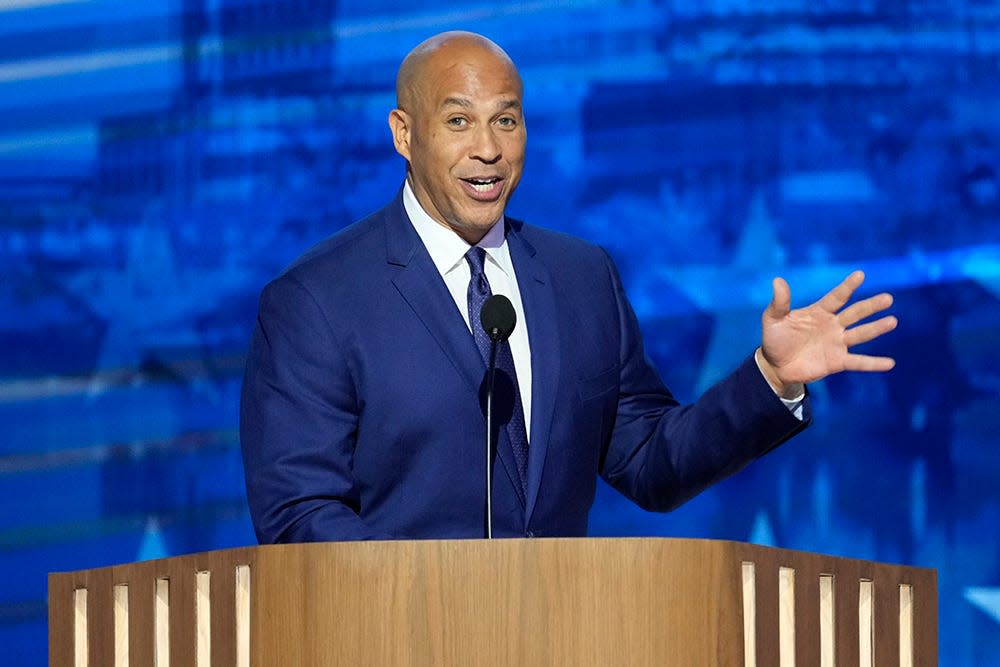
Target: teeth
<point x="482" y="186"/>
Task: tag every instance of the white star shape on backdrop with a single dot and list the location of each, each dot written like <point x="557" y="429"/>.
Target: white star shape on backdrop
<point x="985" y="599"/>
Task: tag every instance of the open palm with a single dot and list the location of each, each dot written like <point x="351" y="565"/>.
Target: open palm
<point x="808" y="344"/>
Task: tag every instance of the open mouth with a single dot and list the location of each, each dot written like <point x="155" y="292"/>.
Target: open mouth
<point x="483" y="185"/>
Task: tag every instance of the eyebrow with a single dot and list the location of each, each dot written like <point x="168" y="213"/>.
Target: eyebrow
<point x="457" y="101"/>
<point x="467" y="104"/>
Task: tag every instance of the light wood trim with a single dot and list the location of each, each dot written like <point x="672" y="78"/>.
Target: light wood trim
<point x="242" y="615"/>
<point x="203" y="618"/>
<point x="161" y="622"/>
<point x="905" y="625"/>
<point x="827" y="621"/>
<point x="749" y="615"/>
<point x="121" y="625"/>
<point x="866" y="623"/>
<point x="786" y="616"/>
<point x="81" y="645"/>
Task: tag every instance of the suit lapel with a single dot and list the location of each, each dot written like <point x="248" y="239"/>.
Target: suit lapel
<point x="540" y="313"/>
<point x="420" y="284"/>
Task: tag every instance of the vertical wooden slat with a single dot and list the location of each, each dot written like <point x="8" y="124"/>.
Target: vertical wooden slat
<point x="925" y="617"/>
<point x="203" y="618"/>
<point x="243" y="593"/>
<point x="807" y="624"/>
<point x="121" y="625"/>
<point x="100" y="617"/>
<point x="905" y="625"/>
<point x="142" y="602"/>
<point x="846" y="594"/>
<point x="767" y="612"/>
<point x="223" y="614"/>
<point x="749" y="615"/>
<point x="885" y="626"/>
<point x="81" y="637"/>
<point x="827" y="621"/>
<point x="161" y="623"/>
<point x="866" y="623"/>
<point x="183" y="617"/>
<point x="786" y="616"/>
<point x="61" y="587"/>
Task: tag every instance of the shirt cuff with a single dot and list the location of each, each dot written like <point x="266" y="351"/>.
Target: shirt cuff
<point x="794" y="404"/>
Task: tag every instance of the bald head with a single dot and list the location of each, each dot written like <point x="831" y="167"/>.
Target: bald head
<point x="460" y="126"/>
<point x="443" y="50"/>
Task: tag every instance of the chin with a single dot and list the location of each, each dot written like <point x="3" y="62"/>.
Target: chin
<point x="483" y="221"/>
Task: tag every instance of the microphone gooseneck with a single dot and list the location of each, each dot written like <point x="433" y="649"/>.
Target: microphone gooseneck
<point x="498" y="319"/>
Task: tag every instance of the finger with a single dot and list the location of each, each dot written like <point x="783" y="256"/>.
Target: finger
<point x="868" y="364"/>
<point x="870" y="331"/>
<point x="781" y="301"/>
<point x="864" y="309"/>
<point x="835" y="299"/>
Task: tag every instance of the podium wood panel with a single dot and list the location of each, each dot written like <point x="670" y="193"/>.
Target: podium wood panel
<point x="503" y="602"/>
<point x="467" y="603"/>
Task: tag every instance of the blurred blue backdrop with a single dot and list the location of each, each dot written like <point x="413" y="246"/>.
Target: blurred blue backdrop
<point x="161" y="160"/>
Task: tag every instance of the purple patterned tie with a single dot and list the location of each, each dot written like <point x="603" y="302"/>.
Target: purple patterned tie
<point x="507" y="409"/>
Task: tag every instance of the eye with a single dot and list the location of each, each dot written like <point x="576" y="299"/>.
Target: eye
<point x="507" y="122"/>
<point x="457" y="121"/>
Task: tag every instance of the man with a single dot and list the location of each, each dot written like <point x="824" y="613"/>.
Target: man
<point x="361" y="415"/>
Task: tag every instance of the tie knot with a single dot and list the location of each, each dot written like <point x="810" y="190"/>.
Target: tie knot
<point x="476" y="257"/>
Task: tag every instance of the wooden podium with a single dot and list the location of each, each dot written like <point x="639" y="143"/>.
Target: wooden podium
<point x="501" y="602"/>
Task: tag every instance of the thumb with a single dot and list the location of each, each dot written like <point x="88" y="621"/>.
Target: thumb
<point x="781" y="302"/>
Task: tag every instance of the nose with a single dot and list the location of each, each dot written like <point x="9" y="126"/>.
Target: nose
<point x="486" y="147"/>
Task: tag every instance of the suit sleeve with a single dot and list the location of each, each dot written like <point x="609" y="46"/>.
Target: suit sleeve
<point x="298" y="423"/>
<point x="660" y="454"/>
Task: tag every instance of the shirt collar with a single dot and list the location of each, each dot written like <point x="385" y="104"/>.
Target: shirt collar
<point x="446" y="248"/>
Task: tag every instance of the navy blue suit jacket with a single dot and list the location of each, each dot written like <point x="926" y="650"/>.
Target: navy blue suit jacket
<point x="361" y="418"/>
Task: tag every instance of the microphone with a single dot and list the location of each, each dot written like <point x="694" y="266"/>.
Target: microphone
<point x="498" y="319"/>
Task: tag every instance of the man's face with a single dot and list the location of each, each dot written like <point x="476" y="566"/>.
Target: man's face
<point x="464" y="138"/>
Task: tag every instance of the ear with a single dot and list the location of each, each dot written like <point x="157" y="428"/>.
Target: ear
<point x="399" y="124"/>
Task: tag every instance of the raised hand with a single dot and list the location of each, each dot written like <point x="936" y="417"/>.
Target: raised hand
<point x="808" y="344"/>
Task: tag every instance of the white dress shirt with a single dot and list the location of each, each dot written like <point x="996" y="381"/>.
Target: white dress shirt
<point x="447" y="250"/>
